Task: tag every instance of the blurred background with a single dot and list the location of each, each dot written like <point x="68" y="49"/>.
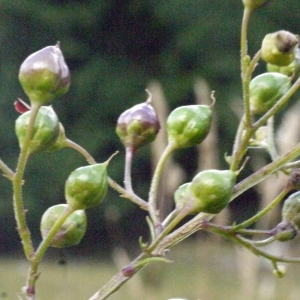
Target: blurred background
<point x="180" y="50"/>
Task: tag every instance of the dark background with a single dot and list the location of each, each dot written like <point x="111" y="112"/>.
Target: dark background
<point x="114" y="49"/>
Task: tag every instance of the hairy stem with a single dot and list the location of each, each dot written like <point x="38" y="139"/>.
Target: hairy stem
<point x="19" y="211"/>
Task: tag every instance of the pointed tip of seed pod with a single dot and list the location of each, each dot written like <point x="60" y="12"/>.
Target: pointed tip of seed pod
<point x="106" y="163"/>
<point x="149" y="100"/>
<point x="212" y="97"/>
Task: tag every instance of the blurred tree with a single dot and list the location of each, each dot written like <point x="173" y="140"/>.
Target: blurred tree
<point x="114" y="48"/>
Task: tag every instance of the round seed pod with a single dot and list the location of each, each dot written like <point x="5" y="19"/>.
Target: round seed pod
<point x="70" y="233"/>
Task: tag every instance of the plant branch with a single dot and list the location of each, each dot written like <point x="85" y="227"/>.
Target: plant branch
<point x="19" y="211"/>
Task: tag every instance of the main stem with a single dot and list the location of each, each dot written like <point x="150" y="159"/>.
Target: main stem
<point x="19" y="211"/>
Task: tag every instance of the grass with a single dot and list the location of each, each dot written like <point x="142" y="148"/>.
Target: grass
<point x="206" y="271"/>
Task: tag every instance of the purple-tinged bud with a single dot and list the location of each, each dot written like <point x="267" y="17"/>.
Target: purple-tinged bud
<point x="44" y="75"/>
<point x="278" y="48"/>
<point x="138" y="125"/>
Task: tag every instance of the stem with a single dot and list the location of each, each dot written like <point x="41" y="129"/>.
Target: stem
<point x="244" y="66"/>
<point x="258" y="252"/>
<point x="128" y="164"/>
<point x="271" y="139"/>
<point x="279" y="105"/>
<point x="33" y="271"/>
<point x="19" y="211"/>
<point x="81" y="150"/>
<point x="265" y="172"/>
<point x="155" y="184"/>
<point x="118" y="280"/>
<point x="263" y="212"/>
<point x="8" y="173"/>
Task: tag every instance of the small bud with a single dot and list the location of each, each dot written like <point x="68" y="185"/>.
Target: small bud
<point x="87" y="186"/>
<point x="189" y="125"/>
<point x="294" y="179"/>
<point x="70" y="233"/>
<point x="45" y="131"/>
<point x="266" y="89"/>
<point x="253" y="4"/>
<point x="278" y="48"/>
<point x="291" y="209"/>
<point x="44" y="75"/>
<point x="280" y="271"/>
<point x="284" y="231"/>
<point x="138" y="126"/>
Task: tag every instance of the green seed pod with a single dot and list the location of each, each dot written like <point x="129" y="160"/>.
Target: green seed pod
<point x="61" y="140"/>
<point x="253" y="4"/>
<point x="44" y="75"/>
<point x="87" y="186"/>
<point x="291" y="209"/>
<point x="188" y="126"/>
<point x="278" y="48"/>
<point x="266" y="89"/>
<point x="211" y="190"/>
<point x="181" y="196"/>
<point x="45" y="131"/>
<point x="291" y="70"/>
<point x="70" y="233"/>
<point x="138" y="126"/>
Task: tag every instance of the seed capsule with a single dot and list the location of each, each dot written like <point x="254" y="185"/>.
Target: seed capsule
<point x="278" y="48"/>
<point x="44" y="75"/>
<point x="211" y="190"/>
<point x="138" y="126"/>
<point x="70" y="233"/>
<point x="188" y="126"/>
<point x="266" y="89"/>
<point x="87" y="186"/>
<point x="45" y="131"/>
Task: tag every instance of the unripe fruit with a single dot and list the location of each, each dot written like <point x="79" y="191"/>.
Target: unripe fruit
<point x="44" y="75"/>
<point x="280" y="271"/>
<point x="86" y="186"/>
<point x="266" y="89"/>
<point x="70" y="233"/>
<point x="253" y="4"/>
<point x="291" y="209"/>
<point x="291" y="70"/>
<point x="181" y="196"/>
<point x="138" y="125"/>
<point x="45" y="131"/>
<point x="284" y="231"/>
<point x="188" y="126"/>
<point x="211" y="190"/>
<point x="278" y="48"/>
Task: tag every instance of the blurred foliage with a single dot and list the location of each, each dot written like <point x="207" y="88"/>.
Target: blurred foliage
<point x="114" y="48"/>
